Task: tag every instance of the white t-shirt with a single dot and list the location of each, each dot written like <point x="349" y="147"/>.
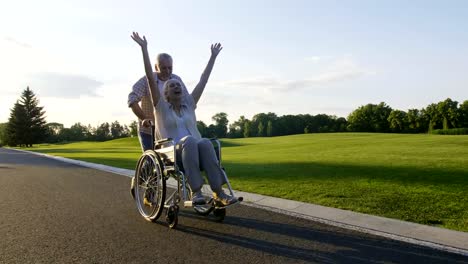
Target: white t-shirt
<point x="170" y="125"/>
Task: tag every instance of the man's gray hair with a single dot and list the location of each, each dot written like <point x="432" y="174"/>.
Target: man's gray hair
<point x="163" y="56"/>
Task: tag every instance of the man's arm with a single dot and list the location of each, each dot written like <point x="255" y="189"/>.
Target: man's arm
<point x="139" y="90"/>
<point x="198" y="90"/>
<point x="136" y="109"/>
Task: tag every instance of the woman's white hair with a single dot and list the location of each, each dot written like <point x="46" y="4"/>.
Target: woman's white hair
<point x="166" y="87"/>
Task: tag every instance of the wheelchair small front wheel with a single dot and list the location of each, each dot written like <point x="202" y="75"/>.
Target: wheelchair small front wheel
<point x="219" y="214"/>
<point x="149" y="186"/>
<point x="172" y="216"/>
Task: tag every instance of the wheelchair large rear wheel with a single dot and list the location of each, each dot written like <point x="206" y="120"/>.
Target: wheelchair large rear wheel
<point x="150" y="186"/>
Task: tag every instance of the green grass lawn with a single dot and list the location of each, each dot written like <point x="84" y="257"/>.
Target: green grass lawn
<point x="417" y="178"/>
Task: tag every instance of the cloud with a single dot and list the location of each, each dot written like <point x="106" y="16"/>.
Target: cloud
<point x="313" y="58"/>
<point x="335" y="71"/>
<point x="61" y="85"/>
<point x="319" y="80"/>
<point x="18" y="43"/>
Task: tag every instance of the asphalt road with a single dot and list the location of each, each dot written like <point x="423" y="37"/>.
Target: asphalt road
<point x="54" y="212"/>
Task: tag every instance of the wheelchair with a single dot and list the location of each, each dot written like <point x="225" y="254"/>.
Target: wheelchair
<point x="154" y="168"/>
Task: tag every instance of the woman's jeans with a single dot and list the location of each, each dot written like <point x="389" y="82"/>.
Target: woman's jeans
<point x="200" y="154"/>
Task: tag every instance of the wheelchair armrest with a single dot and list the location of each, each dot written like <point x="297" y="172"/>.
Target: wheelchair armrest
<point x="166" y="149"/>
<point x="164" y="140"/>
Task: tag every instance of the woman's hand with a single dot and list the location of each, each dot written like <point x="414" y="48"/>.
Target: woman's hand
<point x="142" y="41"/>
<point x="215" y="49"/>
<point x="153" y="86"/>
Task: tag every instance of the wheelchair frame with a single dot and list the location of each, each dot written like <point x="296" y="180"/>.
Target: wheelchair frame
<point x="154" y="168"/>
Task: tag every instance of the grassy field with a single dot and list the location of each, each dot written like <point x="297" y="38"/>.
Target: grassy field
<point x="417" y="178"/>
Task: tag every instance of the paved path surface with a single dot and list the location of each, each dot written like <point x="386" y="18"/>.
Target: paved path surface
<point x="56" y="212"/>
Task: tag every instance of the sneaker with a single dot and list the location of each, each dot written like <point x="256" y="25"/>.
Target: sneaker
<point x="197" y="198"/>
<point x="223" y="199"/>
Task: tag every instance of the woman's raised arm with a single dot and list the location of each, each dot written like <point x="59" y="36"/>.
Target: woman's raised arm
<point x="154" y="90"/>
<point x="198" y="90"/>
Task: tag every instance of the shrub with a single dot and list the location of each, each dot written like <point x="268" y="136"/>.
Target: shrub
<point x="452" y="131"/>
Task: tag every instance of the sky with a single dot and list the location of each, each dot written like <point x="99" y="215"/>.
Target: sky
<point x="286" y="57"/>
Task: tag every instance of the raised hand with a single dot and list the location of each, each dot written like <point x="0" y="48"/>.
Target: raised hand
<point x="141" y="41"/>
<point x="215" y="49"/>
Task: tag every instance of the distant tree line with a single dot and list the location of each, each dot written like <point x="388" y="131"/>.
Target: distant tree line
<point x="27" y="126"/>
<point x="269" y="125"/>
<point x="444" y="115"/>
<point x="56" y="132"/>
<point x="447" y="114"/>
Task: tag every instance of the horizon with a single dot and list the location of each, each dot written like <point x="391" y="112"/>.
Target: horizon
<point x="306" y="57"/>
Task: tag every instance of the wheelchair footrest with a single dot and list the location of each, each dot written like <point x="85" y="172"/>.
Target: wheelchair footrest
<point x="218" y="206"/>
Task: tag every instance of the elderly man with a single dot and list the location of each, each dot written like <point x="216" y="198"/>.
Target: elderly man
<point x="139" y="100"/>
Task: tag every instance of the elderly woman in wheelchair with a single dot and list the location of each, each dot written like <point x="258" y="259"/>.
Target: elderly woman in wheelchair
<point x="180" y="151"/>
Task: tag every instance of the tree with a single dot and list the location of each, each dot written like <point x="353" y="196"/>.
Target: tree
<point x="221" y="124"/>
<point x="78" y="132"/>
<point x="341" y="124"/>
<point x="370" y="118"/>
<point x="236" y="129"/>
<point x="270" y="129"/>
<point x="103" y="132"/>
<point x="125" y="131"/>
<point x="398" y="121"/>
<point x="290" y="125"/>
<point x="448" y="112"/>
<point x="16" y="126"/>
<point x="134" y="128"/>
<point x="463" y="114"/>
<point x="3" y="127"/>
<point x="247" y="129"/>
<point x="66" y="135"/>
<point x="35" y="119"/>
<point x="415" y="121"/>
<point x="90" y="132"/>
<point x="431" y="117"/>
<point x="211" y="131"/>
<point x="202" y="128"/>
<point x="116" y="130"/>
<point x="261" y="129"/>
<point x="26" y="125"/>
<point x="54" y="130"/>
<point x="263" y="119"/>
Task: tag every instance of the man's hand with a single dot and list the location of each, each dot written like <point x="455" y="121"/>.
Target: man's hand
<point x="146" y="122"/>
<point x="141" y="41"/>
<point x="215" y="49"/>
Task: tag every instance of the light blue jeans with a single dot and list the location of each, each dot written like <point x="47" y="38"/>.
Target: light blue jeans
<point x="196" y="154"/>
